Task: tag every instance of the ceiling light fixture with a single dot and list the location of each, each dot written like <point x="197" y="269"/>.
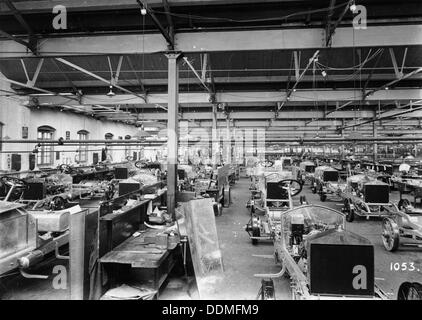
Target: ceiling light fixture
<point x="111" y="93"/>
<point x="143" y="7"/>
<point x="353" y="7"/>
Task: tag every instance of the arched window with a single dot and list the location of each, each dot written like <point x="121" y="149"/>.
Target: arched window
<point x="108" y="136"/>
<point x="45" y="153"/>
<point x="83" y="147"/>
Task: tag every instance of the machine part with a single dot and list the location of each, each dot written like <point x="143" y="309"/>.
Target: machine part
<point x="267" y="289"/>
<point x="227" y="196"/>
<point x="23" y="239"/>
<point x="51" y="221"/>
<point x="256" y="231"/>
<point x="218" y="209"/>
<point x="297" y="225"/>
<point x="140" y="164"/>
<point x="110" y="191"/>
<point x="403" y="204"/>
<point x="410" y="291"/>
<point x="15" y="184"/>
<point x="12" y="181"/>
<point x="291" y="183"/>
<point x="272" y="275"/>
<point x="266" y="164"/>
<point x="31" y="259"/>
<point x="32" y="276"/>
<point x="65" y="168"/>
<point x="57" y="253"/>
<point x="57" y="203"/>
<point x="390" y="234"/>
<point x="35" y="256"/>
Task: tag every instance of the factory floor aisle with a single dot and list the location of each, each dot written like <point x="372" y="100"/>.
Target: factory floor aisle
<point x="237" y="250"/>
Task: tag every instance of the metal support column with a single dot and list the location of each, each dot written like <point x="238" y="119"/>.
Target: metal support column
<point x="375" y="135"/>
<point x="214" y="137"/>
<point x="172" y="131"/>
<point x="228" y="142"/>
<point x="342" y="148"/>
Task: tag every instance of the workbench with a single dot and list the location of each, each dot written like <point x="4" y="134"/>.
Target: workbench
<point x="141" y="261"/>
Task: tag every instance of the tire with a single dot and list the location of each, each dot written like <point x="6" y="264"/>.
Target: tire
<point x="410" y="291"/>
<point x="255" y="233"/>
<point x="323" y="197"/>
<point x="350" y="213"/>
<point x="390" y="235"/>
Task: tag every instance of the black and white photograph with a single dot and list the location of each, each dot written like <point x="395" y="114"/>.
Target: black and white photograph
<point x="206" y="155"/>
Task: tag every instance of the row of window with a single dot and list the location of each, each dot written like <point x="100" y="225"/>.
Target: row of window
<point x="46" y="152"/>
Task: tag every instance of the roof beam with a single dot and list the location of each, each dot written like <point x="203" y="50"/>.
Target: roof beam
<point x="282" y="39"/>
<point x="331" y="29"/>
<point x="395" y="66"/>
<point x="17" y="40"/>
<point x="36" y="73"/>
<point x="31" y="6"/>
<point x="270" y="97"/>
<point x="74" y="66"/>
<point x="328" y="27"/>
<point x="389" y="115"/>
<point x="296" y="57"/>
<point x="170" y="23"/>
<point x="198" y="76"/>
<point x="140" y="82"/>
<point x="32" y="40"/>
<point x="371" y="73"/>
<point x="167" y="36"/>
<point x="249" y="79"/>
<point x="292" y="90"/>
<point x="391" y="83"/>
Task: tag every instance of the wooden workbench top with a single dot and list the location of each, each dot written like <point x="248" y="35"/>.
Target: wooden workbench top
<point x="139" y="252"/>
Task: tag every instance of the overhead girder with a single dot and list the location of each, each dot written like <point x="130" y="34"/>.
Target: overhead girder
<point x="291" y="115"/>
<point x="187" y="42"/>
<point x="217" y="80"/>
<point x="197" y="98"/>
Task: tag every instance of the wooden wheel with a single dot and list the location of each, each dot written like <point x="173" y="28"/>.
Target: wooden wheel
<point x="350" y="213"/>
<point x="390" y="234"/>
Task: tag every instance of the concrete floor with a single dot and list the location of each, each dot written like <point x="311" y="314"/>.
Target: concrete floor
<point x="240" y="264"/>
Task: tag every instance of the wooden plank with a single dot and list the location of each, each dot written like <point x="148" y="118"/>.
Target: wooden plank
<point x="76" y="249"/>
<point x="83" y="247"/>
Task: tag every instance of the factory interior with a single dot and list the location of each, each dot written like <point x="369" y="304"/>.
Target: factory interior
<point x="211" y="150"/>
